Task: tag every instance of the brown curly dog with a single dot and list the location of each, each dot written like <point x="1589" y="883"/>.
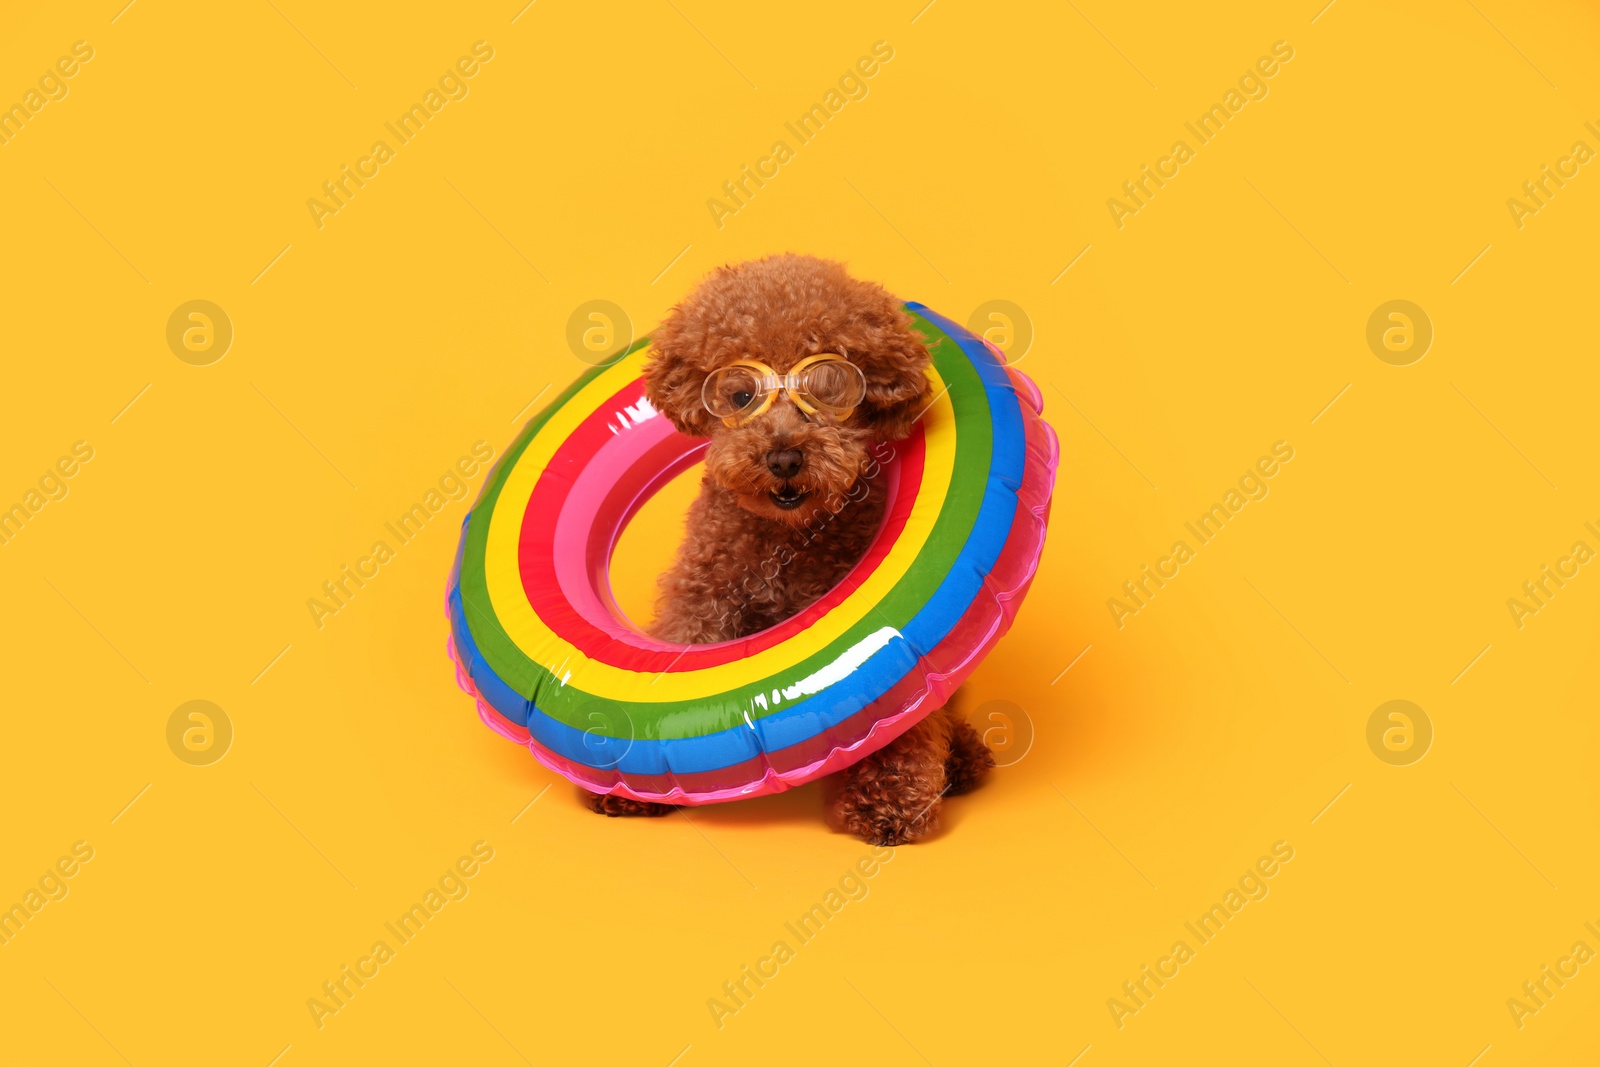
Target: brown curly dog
<point x="786" y="509"/>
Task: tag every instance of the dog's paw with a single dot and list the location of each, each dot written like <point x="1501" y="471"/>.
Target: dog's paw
<point x="620" y="806"/>
<point x="878" y="828"/>
<point x="885" y="821"/>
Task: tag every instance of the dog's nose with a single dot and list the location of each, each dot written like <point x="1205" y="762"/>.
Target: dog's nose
<point x="786" y="463"/>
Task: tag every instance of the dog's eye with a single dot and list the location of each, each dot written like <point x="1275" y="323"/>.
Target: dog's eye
<point x="728" y="391"/>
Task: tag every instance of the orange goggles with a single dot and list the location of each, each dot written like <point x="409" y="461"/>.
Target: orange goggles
<point x="825" y="384"/>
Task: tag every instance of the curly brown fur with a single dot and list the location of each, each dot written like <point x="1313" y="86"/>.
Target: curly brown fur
<point x="614" y="805"/>
<point x="970" y="760"/>
<point x="747" y="563"/>
<point x="895" y="796"/>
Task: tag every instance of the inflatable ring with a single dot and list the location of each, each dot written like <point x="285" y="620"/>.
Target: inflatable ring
<point x="552" y="663"/>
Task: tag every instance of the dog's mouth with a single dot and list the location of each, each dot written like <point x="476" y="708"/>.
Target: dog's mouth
<point x="788" y="497"/>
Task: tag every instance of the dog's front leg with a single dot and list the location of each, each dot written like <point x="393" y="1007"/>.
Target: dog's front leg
<point x="895" y="795"/>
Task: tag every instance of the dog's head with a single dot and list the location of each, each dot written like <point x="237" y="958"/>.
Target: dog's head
<point x="786" y="464"/>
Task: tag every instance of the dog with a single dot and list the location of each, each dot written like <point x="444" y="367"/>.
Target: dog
<point x="784" y="482"/>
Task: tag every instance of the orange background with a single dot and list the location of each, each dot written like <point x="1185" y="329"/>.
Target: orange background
<point x="1230" y="713"/>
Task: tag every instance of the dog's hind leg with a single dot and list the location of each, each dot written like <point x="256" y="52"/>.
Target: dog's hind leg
<point x="970" y="760"/>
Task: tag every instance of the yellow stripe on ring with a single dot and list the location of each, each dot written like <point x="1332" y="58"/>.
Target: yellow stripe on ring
<point x="600" y="679"/>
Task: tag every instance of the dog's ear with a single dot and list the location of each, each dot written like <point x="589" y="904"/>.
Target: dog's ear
<point x="894" y="360"/>
<point x="673" y="377"/>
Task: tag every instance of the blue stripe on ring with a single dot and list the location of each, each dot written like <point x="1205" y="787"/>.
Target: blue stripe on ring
<point x="825" y="710"/>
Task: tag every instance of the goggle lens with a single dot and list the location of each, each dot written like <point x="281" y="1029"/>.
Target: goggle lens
<point x="731" y="390"/>
<point x="833" y="386"/>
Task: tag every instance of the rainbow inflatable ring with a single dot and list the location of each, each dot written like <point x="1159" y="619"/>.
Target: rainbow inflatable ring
<point x="539" y="642"/>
